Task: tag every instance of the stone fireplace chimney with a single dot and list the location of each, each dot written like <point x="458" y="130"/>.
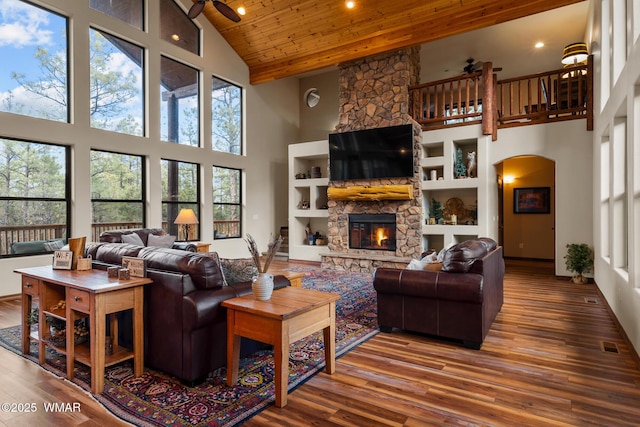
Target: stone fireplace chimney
<point x="374" y="93"/>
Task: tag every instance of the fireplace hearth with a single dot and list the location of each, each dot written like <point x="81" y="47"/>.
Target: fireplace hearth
<point x="372" y="231"/>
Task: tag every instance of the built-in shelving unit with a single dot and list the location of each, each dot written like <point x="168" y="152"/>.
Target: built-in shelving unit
<point x="308" y="197"/>
<point x="440" y="183"/>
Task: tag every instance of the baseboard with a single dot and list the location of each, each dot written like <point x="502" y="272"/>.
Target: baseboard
<point x="10" y="297"/>
<point x="632" y="349"/>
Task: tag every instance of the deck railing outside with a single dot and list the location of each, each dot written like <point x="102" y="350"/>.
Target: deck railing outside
<point x="29" y="233"/>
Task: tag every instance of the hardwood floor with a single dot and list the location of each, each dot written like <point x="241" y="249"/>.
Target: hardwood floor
<point x="545" y="362"/>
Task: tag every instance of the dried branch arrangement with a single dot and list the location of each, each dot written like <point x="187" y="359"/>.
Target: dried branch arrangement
<point x="273" y="247"/>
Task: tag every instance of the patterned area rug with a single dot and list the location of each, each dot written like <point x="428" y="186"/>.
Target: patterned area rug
<point x="155" y="399"/>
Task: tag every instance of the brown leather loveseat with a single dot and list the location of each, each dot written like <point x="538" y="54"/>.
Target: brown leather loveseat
<point x="185" y="326"/>
<point x="459" y="302"/>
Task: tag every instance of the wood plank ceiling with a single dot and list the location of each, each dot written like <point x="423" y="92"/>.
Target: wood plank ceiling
<point x="281" y="38"/>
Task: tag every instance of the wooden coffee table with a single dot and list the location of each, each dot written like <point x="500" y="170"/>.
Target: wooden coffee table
<point x="290" y="314"/>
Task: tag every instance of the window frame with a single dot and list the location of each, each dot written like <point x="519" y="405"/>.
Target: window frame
<point x="241" y="117"/>
<point x="66" y="199"/>
<point x="238" y="204"/>
<point x="143" y="192"/>
<point x="174" y="228"/>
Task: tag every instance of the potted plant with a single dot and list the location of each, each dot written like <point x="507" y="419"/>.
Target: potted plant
<point x="579" y="260"/>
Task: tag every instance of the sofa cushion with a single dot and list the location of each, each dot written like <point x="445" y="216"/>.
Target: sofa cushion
<point x="35" y="246"/>
<point x="113" y="253"/>
<point x="164" y="241"/>
<point x="204" y="271"/>
<point x="132" y="239"/>
<point x="115" y="236"/>
<point x="461" y="257"/>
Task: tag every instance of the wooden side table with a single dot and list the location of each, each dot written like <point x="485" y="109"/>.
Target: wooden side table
<point x="202" y="247"/>
<point x="89" y="294"/>
<point x="290" y="314"/>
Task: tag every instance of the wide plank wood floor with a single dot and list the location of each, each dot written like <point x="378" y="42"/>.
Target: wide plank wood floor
<point x="545" y="362"/>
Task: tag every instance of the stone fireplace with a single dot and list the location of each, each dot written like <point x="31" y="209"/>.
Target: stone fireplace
<point x="374" y="93"/>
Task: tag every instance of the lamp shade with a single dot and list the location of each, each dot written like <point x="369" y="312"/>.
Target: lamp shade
<point x="575" y="53"/>
<point x="186" y="216"/>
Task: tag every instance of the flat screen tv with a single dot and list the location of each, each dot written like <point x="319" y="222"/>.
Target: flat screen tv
<point x="372" y="153"/>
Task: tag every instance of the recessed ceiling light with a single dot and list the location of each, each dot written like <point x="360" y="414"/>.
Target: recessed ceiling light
<point x="539" y="45"/>
<point x="350" y="4"/>
<point x="175" y="37"/>
<point x="241" y="10"/>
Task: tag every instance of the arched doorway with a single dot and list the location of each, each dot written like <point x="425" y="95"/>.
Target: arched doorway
<point x="526" y="206"/>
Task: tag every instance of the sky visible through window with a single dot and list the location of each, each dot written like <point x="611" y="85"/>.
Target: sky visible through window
<point x="23" y="29"/>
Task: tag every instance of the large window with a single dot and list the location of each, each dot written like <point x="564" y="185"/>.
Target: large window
<point x="180" y="190"/>
<point x="179" y="95"/>
<point x="117" y="191"/>
<point x="34" y="70"/>
<point x="227" y="202"/>
<point x="34" y="197"/>
<point x="177" y="28"/>
<point x="226" y="117"/>
<point x="129" y="11"/>
<point x="116" y="92"/>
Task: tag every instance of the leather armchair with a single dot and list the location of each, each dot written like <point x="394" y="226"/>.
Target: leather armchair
<point x="459" y="302"/>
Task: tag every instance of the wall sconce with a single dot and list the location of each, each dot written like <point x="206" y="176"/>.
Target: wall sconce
<point x="508" y="179"/>
<point x="575" y="53"/>
<point x="186" y="218"/>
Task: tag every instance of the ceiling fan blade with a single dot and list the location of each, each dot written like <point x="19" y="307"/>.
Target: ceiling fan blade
<point x="227" y="11"/>
<point x="196" y="9"/>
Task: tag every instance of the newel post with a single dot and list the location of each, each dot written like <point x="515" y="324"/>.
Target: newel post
<point x="488" y="100"/>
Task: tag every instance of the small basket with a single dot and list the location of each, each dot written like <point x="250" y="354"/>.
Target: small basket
<point x="84" y="263"/>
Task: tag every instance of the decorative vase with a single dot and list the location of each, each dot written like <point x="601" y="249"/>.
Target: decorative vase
<point x="262" y="286"/>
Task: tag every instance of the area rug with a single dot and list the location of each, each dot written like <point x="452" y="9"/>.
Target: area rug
<point x="155" y="399"/>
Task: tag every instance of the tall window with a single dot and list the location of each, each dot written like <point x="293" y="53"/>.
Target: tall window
<point x="227" y="202"/>
<point x="179" y="112"/>
<point x="129" y="11"/>
<point x="180" y="190"/>
<point x="117" y="190"/>
<point x="34" y="71"/>
<point x="34" y="197"/>
<point x="116" y="92"/>
<point x="177" y="28"/>
<point x="226" y="112"/>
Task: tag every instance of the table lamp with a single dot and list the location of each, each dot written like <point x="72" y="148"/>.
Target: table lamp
<point x="186" y="218"/>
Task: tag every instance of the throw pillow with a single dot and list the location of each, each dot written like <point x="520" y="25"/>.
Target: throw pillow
<point x="238" y="270"/>
<point x="415" y="264"/>
<point x="164" y="241"/>
<point x="132" y="239"/>
<point x="53" y="245"/>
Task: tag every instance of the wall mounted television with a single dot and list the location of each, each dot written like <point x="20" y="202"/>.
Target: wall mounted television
<point x="372" y="153"/>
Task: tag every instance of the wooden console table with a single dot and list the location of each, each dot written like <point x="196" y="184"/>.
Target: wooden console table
<point x="290" y="314"/>
<point x="89" y="294"/>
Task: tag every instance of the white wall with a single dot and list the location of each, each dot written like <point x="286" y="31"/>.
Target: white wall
<point x="568" y="145"/>
<point x="616" y="147"/>
<point x="271" y="118"/>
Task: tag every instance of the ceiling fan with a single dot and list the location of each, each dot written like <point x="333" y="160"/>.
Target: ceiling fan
<point x="473" y="67"/>
<point x="223" y="8"/>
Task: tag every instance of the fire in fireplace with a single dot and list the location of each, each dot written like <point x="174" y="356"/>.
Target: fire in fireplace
<point x="372" y="231"/>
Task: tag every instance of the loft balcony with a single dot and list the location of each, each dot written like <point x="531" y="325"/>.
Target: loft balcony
<point x="557" y="95"/>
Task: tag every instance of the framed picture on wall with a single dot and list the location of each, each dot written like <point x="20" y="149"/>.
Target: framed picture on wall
<point x="532" y="200"/>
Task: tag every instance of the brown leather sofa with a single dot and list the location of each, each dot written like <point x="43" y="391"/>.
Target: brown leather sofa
<point x="185" y="327"/>
<point x="459" y="302"/>
<point x="115" y="236"/>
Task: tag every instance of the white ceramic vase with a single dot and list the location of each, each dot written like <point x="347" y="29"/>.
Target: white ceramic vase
<point x="262" y="286"/>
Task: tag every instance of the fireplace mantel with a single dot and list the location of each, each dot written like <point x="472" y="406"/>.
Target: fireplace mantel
<point x="373" y="192"/>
